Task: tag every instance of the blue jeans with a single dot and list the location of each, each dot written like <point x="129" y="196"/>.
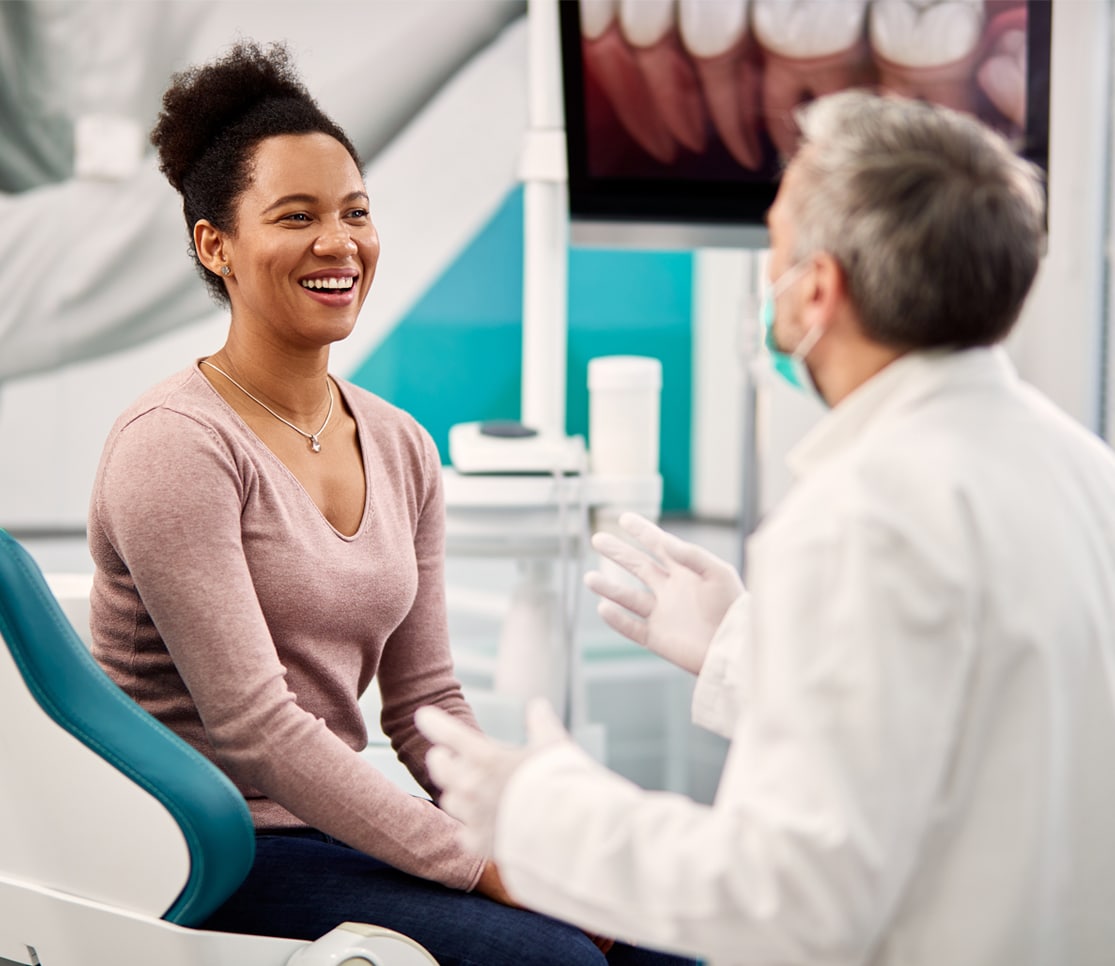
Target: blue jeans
<point x="304" y="883"/>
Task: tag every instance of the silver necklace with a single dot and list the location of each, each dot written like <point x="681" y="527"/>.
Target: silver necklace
<point x="315" y="443"/>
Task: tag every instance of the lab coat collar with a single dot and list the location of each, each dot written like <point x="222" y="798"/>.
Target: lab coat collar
<point x="910" y="378"/>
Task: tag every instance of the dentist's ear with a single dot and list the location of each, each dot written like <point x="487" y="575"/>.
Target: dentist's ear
<point x="826" y="293"/>
<point x="209" y="243"/>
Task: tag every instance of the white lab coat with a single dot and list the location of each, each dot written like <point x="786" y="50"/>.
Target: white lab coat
<point x="919" y="695"/>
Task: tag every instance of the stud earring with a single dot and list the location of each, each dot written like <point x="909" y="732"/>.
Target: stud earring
<point x="226" y="271"/>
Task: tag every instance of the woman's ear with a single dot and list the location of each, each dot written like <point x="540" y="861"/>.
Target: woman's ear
<point x="209" y="243"/>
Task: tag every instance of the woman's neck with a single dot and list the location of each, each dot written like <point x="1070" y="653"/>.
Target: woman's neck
<point x="291" y="383"/>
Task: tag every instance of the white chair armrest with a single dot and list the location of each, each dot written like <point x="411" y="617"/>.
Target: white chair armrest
<point x="357" y="942"/>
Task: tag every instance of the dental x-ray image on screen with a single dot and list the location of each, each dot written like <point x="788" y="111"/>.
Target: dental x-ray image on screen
<point x="681" y="111"/>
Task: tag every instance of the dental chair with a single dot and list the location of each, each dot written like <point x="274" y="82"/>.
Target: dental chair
<point x="116" y="837"/>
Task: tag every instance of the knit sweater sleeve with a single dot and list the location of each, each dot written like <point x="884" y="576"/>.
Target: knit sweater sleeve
<point x="168" y="502"/>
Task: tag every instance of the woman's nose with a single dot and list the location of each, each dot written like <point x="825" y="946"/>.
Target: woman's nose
<point x="335" y="241"/>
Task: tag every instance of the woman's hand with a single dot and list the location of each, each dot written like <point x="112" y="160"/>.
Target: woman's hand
<point x="491" y="885"/>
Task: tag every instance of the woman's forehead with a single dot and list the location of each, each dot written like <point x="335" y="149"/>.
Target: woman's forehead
<point x="314" y="163"/>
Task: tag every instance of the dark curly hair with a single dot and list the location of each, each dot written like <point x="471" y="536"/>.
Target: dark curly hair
<point x="212" y="119"/>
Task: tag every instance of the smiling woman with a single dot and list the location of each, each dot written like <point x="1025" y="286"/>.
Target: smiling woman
<point x="268" y="540"/>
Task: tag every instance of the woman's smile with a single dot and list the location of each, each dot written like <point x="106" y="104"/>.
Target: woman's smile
<point x="335" y="288"/>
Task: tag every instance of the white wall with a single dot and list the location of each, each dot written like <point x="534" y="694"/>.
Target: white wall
<point x="445" y="158"/>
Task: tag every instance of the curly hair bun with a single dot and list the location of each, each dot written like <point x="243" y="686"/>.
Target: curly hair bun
<point x="203" y="102"/>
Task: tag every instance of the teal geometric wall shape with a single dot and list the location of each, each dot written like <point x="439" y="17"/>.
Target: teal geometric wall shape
<point x="457" y="354"/>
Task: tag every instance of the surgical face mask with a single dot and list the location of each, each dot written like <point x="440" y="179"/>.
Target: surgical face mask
<point x="789" y="365"/>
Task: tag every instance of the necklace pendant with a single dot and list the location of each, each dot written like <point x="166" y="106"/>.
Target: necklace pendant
<point x="315" y="444"/>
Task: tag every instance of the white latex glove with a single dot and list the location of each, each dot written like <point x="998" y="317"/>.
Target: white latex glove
<point x="472" y="769"/>
<point x="688" y="591"/>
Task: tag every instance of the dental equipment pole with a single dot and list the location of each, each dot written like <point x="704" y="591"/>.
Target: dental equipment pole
<point x="545" y="228"/>
<point x="1107" y="328"/>
<point x="537" y="647"/>
<point x="749" y="498"/>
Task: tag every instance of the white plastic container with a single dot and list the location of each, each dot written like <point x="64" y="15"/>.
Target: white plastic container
<point x="624" y="414"/>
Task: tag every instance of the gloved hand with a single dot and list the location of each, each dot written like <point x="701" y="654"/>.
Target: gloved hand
<point x="472" y="769"/>
<point x="689" y="590"/>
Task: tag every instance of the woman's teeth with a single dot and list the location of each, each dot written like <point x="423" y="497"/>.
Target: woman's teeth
<point x="338" y="284"/>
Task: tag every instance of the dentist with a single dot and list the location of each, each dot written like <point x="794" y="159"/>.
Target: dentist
<point x="919" y="684"/>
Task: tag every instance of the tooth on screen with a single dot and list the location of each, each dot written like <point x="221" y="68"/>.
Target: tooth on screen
<point x="732" y="83"/>
<point x="1002" y="75"/>
<point x="715" y="34"/>
<point x="711" y="27"/>
<point x="926" y="35"/>
<point x="790" y="81"/>
<point x="597" y="16"/>
<point x="612" y="64"/>
<point x="808" y="28"/>
<point x="645" y="22"/>
<point x="675" y="90"/>
<point x="1003" y="79"/>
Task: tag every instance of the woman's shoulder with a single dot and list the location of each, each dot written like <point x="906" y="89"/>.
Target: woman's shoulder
<point x="186" y="392"/>
<point x="173" y="432"/>
<point x="181" y="408"/>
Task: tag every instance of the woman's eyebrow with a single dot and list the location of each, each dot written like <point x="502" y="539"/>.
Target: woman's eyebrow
<point x="304" y="199"/>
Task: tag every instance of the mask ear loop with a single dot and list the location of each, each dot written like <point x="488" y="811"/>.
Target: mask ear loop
<point x="780" y="286"/>
<point x="813" y="336"/>
<point x="809" y="340"/>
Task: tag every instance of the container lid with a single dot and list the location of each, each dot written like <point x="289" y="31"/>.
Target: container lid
<point x="624" y="372"/>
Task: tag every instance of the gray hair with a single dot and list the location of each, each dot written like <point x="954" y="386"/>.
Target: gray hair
<point x="938" y="225"/>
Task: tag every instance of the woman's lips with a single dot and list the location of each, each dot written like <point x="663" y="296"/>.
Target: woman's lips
<point x="332" y="290"/>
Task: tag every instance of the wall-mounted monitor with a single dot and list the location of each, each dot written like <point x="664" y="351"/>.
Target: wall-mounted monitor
<point x="678" y="113"/>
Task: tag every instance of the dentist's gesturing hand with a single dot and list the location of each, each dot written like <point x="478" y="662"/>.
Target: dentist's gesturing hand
<point x="688" y="591"/>
<point x="472" y="769"/>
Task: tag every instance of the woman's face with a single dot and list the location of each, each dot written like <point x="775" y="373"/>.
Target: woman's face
<point x="304" y="250"/>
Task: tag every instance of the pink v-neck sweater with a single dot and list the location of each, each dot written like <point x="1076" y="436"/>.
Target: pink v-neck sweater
<point x="226" y="605"/>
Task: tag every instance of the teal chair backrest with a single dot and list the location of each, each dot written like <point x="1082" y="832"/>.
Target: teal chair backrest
<point x="162" y="787"/>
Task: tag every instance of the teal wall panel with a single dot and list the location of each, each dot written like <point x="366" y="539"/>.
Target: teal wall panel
<point x="636" y="303"/>
<point x="457" y="354"/>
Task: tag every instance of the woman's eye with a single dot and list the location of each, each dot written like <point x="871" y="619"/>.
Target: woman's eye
<point x="296" y="216"/>
<point x="358" y="213"/>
